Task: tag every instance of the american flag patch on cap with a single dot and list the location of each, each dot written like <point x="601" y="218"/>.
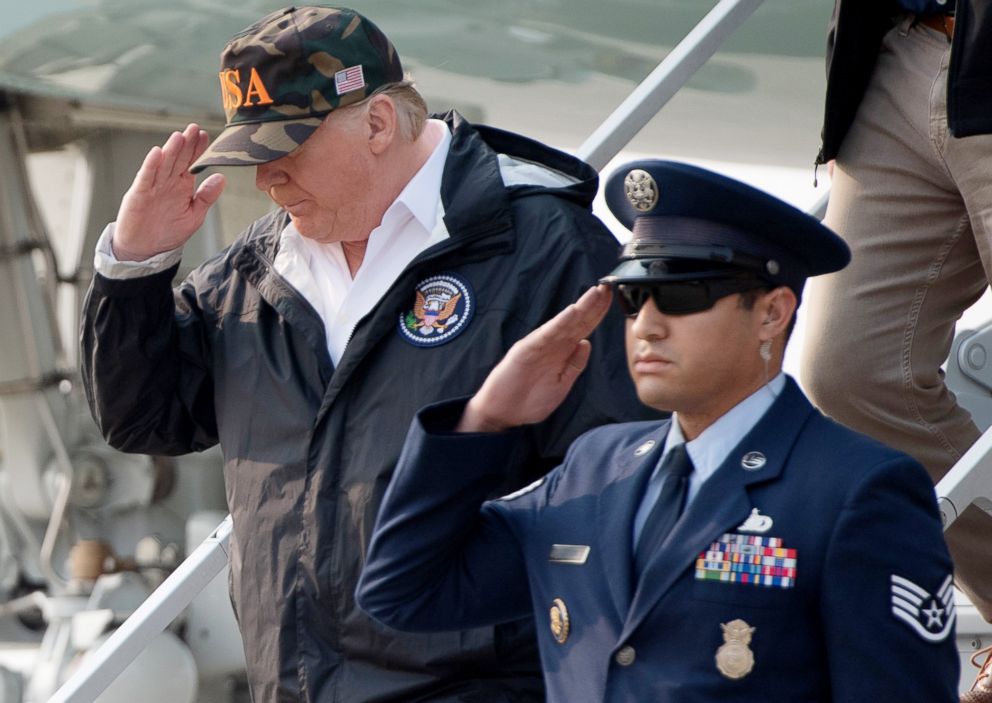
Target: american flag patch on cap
<point x="349" y="79"/>
<point x="929" y="616"/>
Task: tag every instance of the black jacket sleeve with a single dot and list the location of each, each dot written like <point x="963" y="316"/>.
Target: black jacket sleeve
<point x="146" y="365"/>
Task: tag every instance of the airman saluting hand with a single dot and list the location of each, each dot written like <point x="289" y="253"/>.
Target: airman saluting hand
<point x="538" y="372"/>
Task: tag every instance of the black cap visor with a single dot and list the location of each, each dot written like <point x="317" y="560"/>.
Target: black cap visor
<point x="649" y="270"/>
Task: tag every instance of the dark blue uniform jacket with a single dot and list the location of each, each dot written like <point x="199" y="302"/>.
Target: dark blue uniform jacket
<point x="866" y="615"/>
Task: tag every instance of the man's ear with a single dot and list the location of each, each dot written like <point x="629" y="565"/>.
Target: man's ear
<point x="382" y="123"/>
<point x="776" y="308"/>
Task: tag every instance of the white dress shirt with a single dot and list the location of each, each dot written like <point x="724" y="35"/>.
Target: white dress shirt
<point x="711" y="448"/>
<point x="413" y="223"/>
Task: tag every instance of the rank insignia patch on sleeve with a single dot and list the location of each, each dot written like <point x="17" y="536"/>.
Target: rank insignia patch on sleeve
<point x="930" y="616"/>
<point x="442" y="308"/>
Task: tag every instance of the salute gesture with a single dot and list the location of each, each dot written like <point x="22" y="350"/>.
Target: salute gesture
<point x="163" y="207"/>
<point x="538" y="372"/>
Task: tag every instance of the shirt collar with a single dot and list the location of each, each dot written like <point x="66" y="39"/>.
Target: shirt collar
<point x="423" y="191"/>
<point x="420" y="197"/>
<point x="711" y="448"/>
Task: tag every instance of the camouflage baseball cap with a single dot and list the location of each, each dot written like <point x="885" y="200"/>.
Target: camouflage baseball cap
<point x="282" y="75"/>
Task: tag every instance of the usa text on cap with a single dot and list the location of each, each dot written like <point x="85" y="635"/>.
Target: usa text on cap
<point x="281" y="76"/>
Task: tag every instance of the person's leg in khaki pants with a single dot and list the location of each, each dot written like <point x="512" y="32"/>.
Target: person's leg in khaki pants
<point x="915" y="206"/>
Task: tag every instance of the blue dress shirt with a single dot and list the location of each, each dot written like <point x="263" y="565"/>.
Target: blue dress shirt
<point x="711" y="448"/>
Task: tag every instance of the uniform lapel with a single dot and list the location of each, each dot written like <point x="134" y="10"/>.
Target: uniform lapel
<point x="723" y="502"/>
<point x="621" y="497"/>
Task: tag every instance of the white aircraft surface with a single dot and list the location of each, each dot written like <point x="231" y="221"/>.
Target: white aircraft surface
<point x="88" y="86"/>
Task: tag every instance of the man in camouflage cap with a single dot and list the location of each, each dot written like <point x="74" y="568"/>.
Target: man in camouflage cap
<point x="407" y="254"/>
<point x="284" y="74"/>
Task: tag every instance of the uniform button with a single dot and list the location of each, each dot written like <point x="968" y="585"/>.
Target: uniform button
<point x="626" y="656"/>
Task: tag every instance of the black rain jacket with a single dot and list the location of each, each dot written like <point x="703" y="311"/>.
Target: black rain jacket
<point x="235" y="355"/>
<point x="855" y="35"/>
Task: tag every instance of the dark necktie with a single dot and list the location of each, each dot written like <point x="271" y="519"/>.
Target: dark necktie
<point x="675" y="469"/>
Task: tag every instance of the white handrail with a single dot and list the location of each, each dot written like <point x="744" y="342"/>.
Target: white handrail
<point x="664" y="81"/>
<point x="969" y="481"/>
<point x="104" y="665"/>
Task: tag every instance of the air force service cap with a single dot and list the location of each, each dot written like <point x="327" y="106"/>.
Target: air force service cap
<point x="689" y="223"/>
<point x="281" y="76"/>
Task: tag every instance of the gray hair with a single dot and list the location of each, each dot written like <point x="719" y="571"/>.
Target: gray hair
<point x="411" y="109"/>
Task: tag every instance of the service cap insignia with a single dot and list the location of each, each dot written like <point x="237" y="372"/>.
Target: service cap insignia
<point x="641" y="190"/>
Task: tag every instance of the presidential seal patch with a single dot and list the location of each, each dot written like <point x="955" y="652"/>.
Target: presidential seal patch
<point x="442" y="308"/>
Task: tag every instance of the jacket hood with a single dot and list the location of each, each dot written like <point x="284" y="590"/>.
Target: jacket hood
<point x="527" y="166"/>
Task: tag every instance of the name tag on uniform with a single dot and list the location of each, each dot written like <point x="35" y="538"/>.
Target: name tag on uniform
<point x="749" y="559"/>
<point x="569" y="553"/>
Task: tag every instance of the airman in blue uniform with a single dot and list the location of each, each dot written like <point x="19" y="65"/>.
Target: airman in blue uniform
<point x="747" y="549"/>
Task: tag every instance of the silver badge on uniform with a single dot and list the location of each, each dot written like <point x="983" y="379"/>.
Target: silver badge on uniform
<point x="753" y="461"/>
<point x="569" y="554"/>
<point x="756" y="522"/>
<point x="644" y="448"/>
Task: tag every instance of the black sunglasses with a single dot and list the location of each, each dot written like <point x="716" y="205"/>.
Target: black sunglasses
<point x="682" y="297"/>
